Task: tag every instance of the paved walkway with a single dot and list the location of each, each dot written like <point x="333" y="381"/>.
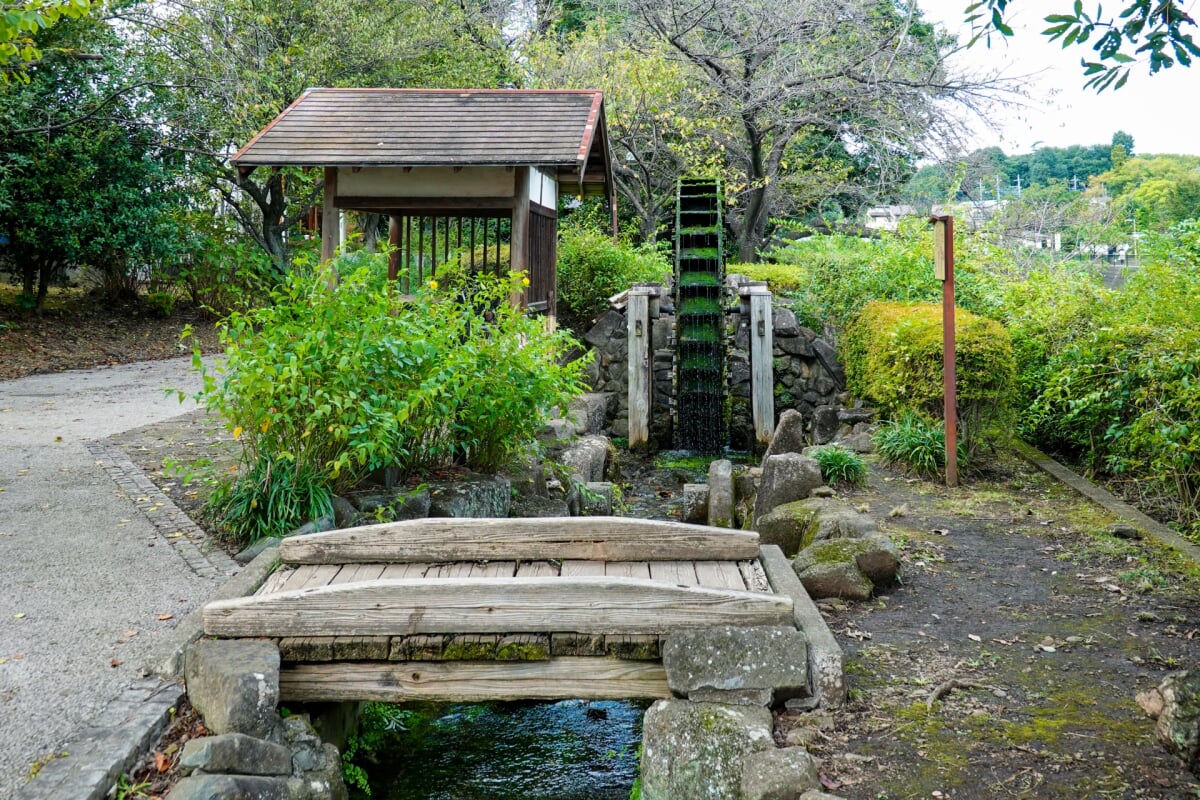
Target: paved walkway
<point x="88" y="585"/>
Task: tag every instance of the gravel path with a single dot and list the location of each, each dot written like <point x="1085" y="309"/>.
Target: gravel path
<point x="87" y="584"/>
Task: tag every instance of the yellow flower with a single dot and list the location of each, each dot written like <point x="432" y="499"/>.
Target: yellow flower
<point x="524" y="281"/>
<point x="433" y="285"/>
<point x="237" y="433"/>
<point x="266" y="424"/>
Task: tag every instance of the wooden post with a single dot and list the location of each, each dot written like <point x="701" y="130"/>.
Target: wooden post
<point x="330" y="223"/>
<point x="762" y="373"/>
<point x="518" y="242"/>
<point x="394" y="233"/>
<point x="641" y="383"/>
<point x="943" y="260"/>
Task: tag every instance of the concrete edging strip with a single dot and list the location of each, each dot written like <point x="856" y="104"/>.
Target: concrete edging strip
<point x="824" y="653"/>
<point x="1107" y="500"/>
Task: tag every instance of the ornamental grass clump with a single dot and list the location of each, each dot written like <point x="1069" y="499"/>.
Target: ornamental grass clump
<point x="325" y="385"/>
<point x="840" y="466"/>
<point x="913" y="443"/>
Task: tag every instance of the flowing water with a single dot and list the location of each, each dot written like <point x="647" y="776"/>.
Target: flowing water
<point x="569" y="750"/>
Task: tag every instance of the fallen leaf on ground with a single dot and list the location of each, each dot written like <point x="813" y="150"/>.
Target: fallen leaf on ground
<point x="164" y="617"/>
<point x="974" y="638"/>
<point x="116" y="662"/>
<point x="161" y="762"/>
<point x="19" y="616"/>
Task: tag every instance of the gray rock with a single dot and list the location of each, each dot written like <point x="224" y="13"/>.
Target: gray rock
<point x="587" y="458"/>
<point x="394" y="505"/>
<point x="529" y="479"/>
<point x="781" y="774"/>
<point x="741" y="666"/>
<point x="696" y="751"/>
<point x="839" y="522"/>
<point x="829" y="360"/>
<point x="234" y="684"/>
<point x="835" y="579"/>
<point x="318" y="525"/>
<point x="1178" y="726"/>
<point x="345" y="514"/>
<point x="695" y="503"/>
<point x="858" y="442"/>
<point x="230" y="787"/>
<point x="1123" y="530"/>
<point x="558" y="430"/>
<point x="471" y="495"/>
<point x="816" y="794"/>
<point x="745" y="482"/>
<point x="251" y="552"/>
<point x="720" y="493"/>
<point x="597" y="499"/>
<point x="620" y="427"/>
<point x="235" y="754"/>
<point x="856" y="416"/>
<point x="793" y="526"/>
<point x="592" y="410"/>
<point x="591" y="371"/>
<point x="784" y="323"/>
<point x="606" y="325"/>
<point x="873" y="554"/>
<point x="535" y="506"/>
<point x="824" y="424"/>
<point x="791" y="434"/>
<point x="795" y="346"/>
<point x="786" y="478"/>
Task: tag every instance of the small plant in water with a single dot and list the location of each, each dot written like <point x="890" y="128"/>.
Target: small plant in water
<point x="839" y="465"/>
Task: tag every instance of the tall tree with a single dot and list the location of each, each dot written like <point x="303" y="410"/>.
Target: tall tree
<point x="865" y="76"/>
<point x="21" y="21"/>
<point x="233" y="65"/>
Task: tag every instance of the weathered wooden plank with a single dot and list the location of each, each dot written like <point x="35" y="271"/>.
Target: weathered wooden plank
<point x="636" y="647"/>
<point x="762" y="378"/>
<point x="523" y="647"/>
<point x="360" y="648"/>
<point x="753" y="575"/>
<point x="306" y="648"/>
<point x="275" y="580"/>
<point x="416" y="648"/>
<point x="575" y="568"/>
<point x="529" y="539"/>
<point x="678" y="572"/>
<point x="576" y="644"/>
<point x="409" y="571"/>
<point x="536" y="569"/>
<point x="473" y="681"/>
<point x="494" y="569"/>
<point x="358" y="572"/>
<point x="492" y="605"/>
<point x="454" y="569"/>
<point x="627" y="569"/>
<point x="310" y="576"/>
<point x="640" y="366"/>
<point x="720" y="574"/>
<point x="470" y="647"/>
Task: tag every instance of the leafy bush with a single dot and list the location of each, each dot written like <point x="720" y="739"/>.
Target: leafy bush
<point x="839" y="465"/>
<point x="221" y="270"/>
<point x="913" y="442"/>
<point x="782" y="279"/>
<point x="343" y="381"/>
<point x="161" y="304"/>
<point x="893" y="356"/>
<point x="592" y="268"/>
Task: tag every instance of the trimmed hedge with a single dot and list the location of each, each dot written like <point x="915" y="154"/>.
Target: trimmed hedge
<point x="893" y="357"/>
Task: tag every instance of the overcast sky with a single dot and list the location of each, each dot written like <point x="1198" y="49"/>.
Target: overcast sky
<point x="1162" y="112"/>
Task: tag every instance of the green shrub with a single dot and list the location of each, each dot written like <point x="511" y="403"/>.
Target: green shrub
<point x="273" y="497"/>
<point x="913" y="442"/>
<point x="592" y="268"/>
<point x="839" y="465"/>
<point x="893" y="356"/>
<point x="781" y="278"/>
<point x="161" y="304"/>
<point x="344" y="381"/>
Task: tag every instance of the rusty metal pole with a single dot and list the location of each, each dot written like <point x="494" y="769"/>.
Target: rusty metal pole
<point x="949" y="376"/>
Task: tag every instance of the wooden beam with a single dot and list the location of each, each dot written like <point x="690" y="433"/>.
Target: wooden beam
<point x="492" y="605"/>
<point x="532" y="539"/>
<point x="329" y="217"/>
<point x="640" y="370"/>
<point x="489" y="206"/>
<point x="398" y="682"/>
<point x="518" y="250"/>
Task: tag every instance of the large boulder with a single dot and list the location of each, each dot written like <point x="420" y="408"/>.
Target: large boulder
<point x="873" y="554"/>
<point x="695" y="503"/>
<point x="590" y="412"/>
<point x="791" y="434"/>
<point x="393" y="505"/>
<point x="471" y="495"/>
<point x="235" y="754"/>
<point x="534" y="506"/>
<point x="793" y="526"/>
<point x="825" y="424"/>
<point x="835" y="579"/>
<point x="231" y="787"/>
<point x="587" y="459"/>
<point x="786" y="478"/>
<point x="234" y="684"/>
<point x="697" y="751"/>
<point x="742" y="666"/>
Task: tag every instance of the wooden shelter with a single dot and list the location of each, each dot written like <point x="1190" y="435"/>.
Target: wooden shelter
<point x="458" y="172"/>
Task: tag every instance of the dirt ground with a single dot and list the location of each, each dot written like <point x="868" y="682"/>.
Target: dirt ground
<point x="76" y="331"/>
<point x="1003" y="664"/>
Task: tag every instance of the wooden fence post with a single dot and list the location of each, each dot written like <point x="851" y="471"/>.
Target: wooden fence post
<point x="762" y="372"/>
<point x="641" y="350"/>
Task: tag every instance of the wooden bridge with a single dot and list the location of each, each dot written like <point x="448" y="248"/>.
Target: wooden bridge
<point x="486" y="609"/>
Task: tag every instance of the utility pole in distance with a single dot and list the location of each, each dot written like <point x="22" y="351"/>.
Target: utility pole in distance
<point x="943" y="265"/>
